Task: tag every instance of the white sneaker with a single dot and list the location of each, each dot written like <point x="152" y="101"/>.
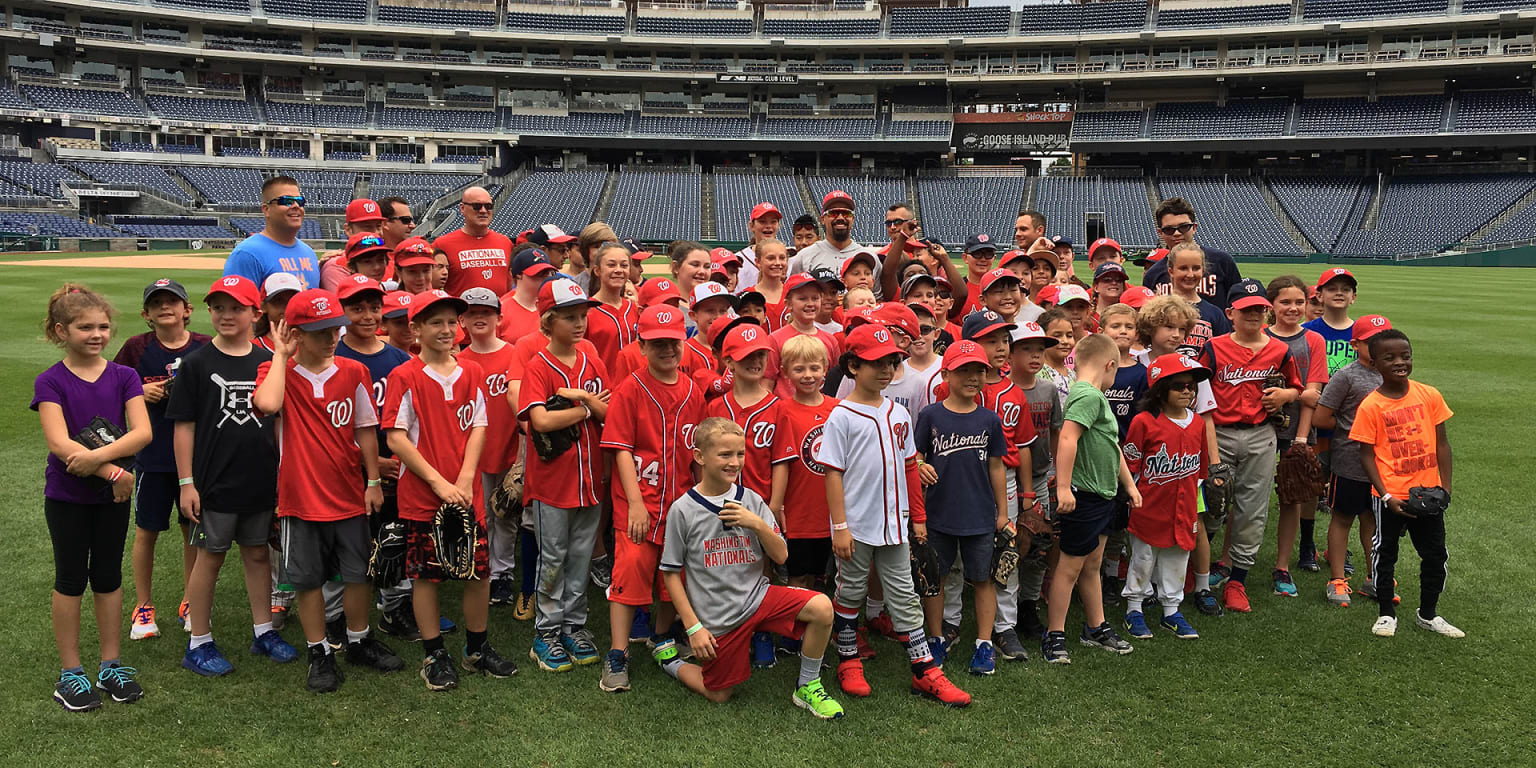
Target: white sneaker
<point x="1385" y="626"/>
<point x="1439" y="626"/>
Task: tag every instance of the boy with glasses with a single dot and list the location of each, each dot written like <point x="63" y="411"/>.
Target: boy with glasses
<point x="1176" y="224"/>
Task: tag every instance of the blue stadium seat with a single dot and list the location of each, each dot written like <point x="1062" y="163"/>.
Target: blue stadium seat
<point x="225" y="186"/>
<point x="955" y="208"/>
<point x="152" y="176"/>
<point x="1128" y="215"/>
<point x="85" y="101"/>
<point x="1358" y="117"/>
<point x="1496" y="112"/>
<point x="1224" y="16"/>
<point x="1426" y="212"/>
<point x="235" y="7"/>
<point x="706" y="127"/>
<point x="335" y="10"/>
<point x="200" y="109"/>
<point x="871" y="194"/>
<point x="820" y="128"/>
<point x="1118" y="15"/>
<point x="823" y="27"/>
<point x="10" y="99"/>
<point x="52" y="224"/>
<point x="949" y="22"/>
<point x="1258" y="117"/>
<point x="1322" y="206"/>
<point x="42" y="178"/>
<point x="1368" y="9"/>
<point x="565" y="23"/>
<point x="1124" y="124"/>
<point x="567" y="199"/>
<point x="436" y="17"/>
<point x="250" y="225"/>
<point x="462" y="120"/>
<point x="656" y="205"/>
<point x="673" y="26"/>
<point x="919" y="129"/>
<point x="737" y="193"/>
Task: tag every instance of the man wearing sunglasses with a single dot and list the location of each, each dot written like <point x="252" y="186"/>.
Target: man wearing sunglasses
<point x="1176" y="224"/>
<point x="363" y="217"/>
<point x="277" y="247"/>
<point x="477" y="257"/>
<point x="398" y="222"/>
<point x="829" y="253"/>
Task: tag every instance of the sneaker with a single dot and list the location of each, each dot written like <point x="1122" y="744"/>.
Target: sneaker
<point x="445" y="626"/>
<point x="939" y="650"/>
<point x="336" y="633"/>
<point x="664" y="652"/>
<point x="866" y="651"/>
<point x="489" y="663"/>
<point x="74" y="693"/>
<point x="640" y="629"/>
<point x="207" y="660"/>
<point x="1385" y="626"/>
<point x="1136" y="625"/>
<point x="1307" y="559"/>
<point x="1235" y="597"/>
<point x="1175" y="623"/>
<point x="951" y="634"/>
<point x="401" y="622"/>
<point x="183" y="612"/>
<point x="437" y="669"/>
<point x="601" y="571"/>
<point x="1206" y="603"/>
<point x="1285" y="586"/>
<point x="273" y="646"/>
<point x="549" y="653"/>
<point x="324" y="675"/>
<point x="813" y="698"/>
<point x="1104" y="636"/>
<point x="1368" y="589"/>
<point x="369" y="652"/>
<point x="788" y="646"/>
<point x="615" y="675"/>
<point x="984" y="659"/>
<point x="524" y="609"/>
<point x="850" y="678"/>
<point x="143" y="623"/>
<point x="1053" y="648"/>
<point x="1439" y="626"/>
<point x="1220" y="573"/>
<point x="579" y="646"/>
<point x="763" y="656"/>
<point x="933" y="684"/>
<point x="1337" y="592"/>
<point x="502" y="590"/>
<point x="882" y="626"/>
<point x="1010" y="647"/>
<point x="279" y="617"/>
<point x="117" y="680"/>
<point x="1112" y="587"/>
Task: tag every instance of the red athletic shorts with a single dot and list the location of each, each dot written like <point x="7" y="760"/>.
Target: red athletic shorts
<point x="634" y="572"/>
<point x="732" y="664"/>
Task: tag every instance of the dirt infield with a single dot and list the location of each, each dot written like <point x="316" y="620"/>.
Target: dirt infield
<point x="191" y="260"/>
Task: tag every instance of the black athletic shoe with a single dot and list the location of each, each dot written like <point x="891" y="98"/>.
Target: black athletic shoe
<point x="324" y="675"/>
<point x="489" y="662"/>
<point x="438" y="671"/>
<point x="74" y="693"/>
<point x="369" y="652"/>
<point x="117" y="680"/>
<point x="1207" y="603"/>
<point x="1053" y="648"/>
<point x="601" y="571"/>
<point x="502" y="591"/>
<point x="336" y="634"/>
<point x="1104" y="636"/>
<point x="401" y="622"/>
<point x="1112" y="587"/>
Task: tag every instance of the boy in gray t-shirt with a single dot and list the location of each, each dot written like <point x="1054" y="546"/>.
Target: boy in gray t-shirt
<point x="1026" y="357"/>
<point x="722" y="535"/>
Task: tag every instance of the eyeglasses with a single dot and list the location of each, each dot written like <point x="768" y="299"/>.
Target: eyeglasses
<point x="1181" y="386"/>
<point x="287" y="200"/>
<point x="407" y="220"/>
<point x="895" y="222"/>
<point x="1177" y="229"/>
<point x="926" y="329"/>
<point x="478" y="206"/>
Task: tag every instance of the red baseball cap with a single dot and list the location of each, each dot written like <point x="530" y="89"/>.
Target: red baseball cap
<point x="1136" y="296"/>
<point x="744" y="340"/>
<point x="864" y="256"/>
<point x="359" y="211"/>
<point x="364" y="243"/>
<point x="1047" y="294"/>
<point x="425" y="300"/>
<point x="1330" y="275"/>
<point x="722" y="256"/>
<point x="1010" y="257"/>
<point x="241" y="289"/>
<point x="396" y="304"/>
<point x="765" y="209"/>
<point x="872" y="342"/>
<point x="314" y="310"/>
<point x="1104" y="242"/>
<point x="962" y="352"/>
<point x="705" y="291"/>
<point x="899" y="315"/>
<point x="858" y="317"/>
<point x="657" y="290"/>
<point x="995" y="275"/>
<point x="837" y="200"/>
<point x="1172" y="364"/>
<point x="640" y="255"/>
<point x="662" y="322"/>
<point x="560" y="293"/>
<point x="413" y="252"/>
<point x="352" y="285"/>
<point x="797" y="281"/>
<point x="1369" y="326"/>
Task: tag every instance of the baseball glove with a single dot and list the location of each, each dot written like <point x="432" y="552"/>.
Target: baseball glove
<point x="453" y="536"/>
<point x="386" y="566"/>
<point x="1005" y="556"/>
<point x="551" y="444"/>
<point x="506" y="502"/>
<point x="1218" y="495"/>
<point x="1427" y="502"/>
<point x="1300" y="477"/>
<point x="1279" y="418"/>
<point x="925" y="570"/>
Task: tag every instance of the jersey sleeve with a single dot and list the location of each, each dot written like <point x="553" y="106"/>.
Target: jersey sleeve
<point x="1289" y="370"/>
<point x="921" y="438"/>
<point x="362" y="401"/>
<point x="1205" y="399"/>
<point x="399" y="413"/>
<point x="132" y="350"/>
<point x="1024" y="432"/>
<point x="784" y="447"/>
<point x="478" y="417"/>
<point x="619" y="429"/>
<point x="674" y="548"/>
<point x="1058" y="417"/>
<point x="834" y="443"/>
<point x="1317" y="358"/>
<point x="535" y="388"/>
<point x="1135" y="442"/>
<point x="759" y="507"/>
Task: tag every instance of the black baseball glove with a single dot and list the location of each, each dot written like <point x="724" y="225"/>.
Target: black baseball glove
<point x="386" y="566"/>
<point x="925" y="570"/>
<point x="453" y="536"/>
<point x="1005" y="556"/>
<point x="1427" y="502"/>
<point x="1279" y="418"/>
<point x="506" y="502"/>
<point x="1218" y="494"/>
<point x="550" y="445"/>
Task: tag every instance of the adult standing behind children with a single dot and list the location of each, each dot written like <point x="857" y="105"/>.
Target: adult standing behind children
<point x="829" y="253"/>
<point x="477" y="257"/>
<point x="277" y="247"/>
<point x="1176" y="224"/>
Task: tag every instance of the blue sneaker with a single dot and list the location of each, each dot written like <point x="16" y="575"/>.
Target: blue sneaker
<point x="446" y="626"/>
<point x="207" y="660"/>
<point x="938" y="650"/>
<point x="984" y="659"/>
<point x="1136" y="625"/>
<point x="273" y="646"/>
<point x="762" y="651"/>
<point x="1175" y="623"/>
<point x="580" y="647"/>
<point x="1285" y="586"/>
<point x="550" y="654"/>
<point x="640" y="630"/>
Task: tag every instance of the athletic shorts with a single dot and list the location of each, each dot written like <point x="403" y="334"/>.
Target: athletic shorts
<point x="421" y="553"/>
<point x="1349" y="497"/>
<point x="1080" y="530"/>
<point x="974" y="551"/>
<point x="807" y="557"/>
<point x="155" y="494"/>
<point x="635" y="578"/>
<point x="732" y="664"/>
<point x="315" y="552"/>
<point x="218" y="531"/>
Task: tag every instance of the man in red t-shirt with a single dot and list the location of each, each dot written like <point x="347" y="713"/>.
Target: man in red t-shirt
<point x="477" y="257"/>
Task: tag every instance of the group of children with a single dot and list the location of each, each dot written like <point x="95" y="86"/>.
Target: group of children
<point x="767" y="481"/>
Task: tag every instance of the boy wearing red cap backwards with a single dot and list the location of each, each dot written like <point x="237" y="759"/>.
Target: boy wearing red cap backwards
<point x="872" y="489"/>
<point x="326" y="419"/>
<point x="649" y="429"/>
<point x="434" y="416"/>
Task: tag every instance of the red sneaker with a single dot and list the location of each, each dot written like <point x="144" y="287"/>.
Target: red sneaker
<point x="882" y="626"/>
<point x="933" y="684"/>
<point x="866" y="651"/>
<point x="1235" y="597"/>
<point x="850" y="677"/>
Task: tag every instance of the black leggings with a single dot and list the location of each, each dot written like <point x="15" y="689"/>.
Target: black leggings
<point x="1428" y="537"/>
<point x="87" y="545"/>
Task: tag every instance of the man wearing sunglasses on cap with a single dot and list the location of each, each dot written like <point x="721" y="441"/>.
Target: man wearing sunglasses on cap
<point x="277" y="247"/>
<point x="1176" y="224"/>
<point x="477" y="257"/>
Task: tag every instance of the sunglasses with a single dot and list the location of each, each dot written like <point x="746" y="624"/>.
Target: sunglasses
<point x="1182" y="386"/>
<point x="404" y="219"/>
<point x="370" y="242"/>
<point x="478" y="206"/>
<point x="287" y="200"/>
<point x="839" y="214"/>
<point x="1177" y="229"/>
<point x="945" y="295"/>
<point x="926" y="329"/>
<point x="895" y="222"/>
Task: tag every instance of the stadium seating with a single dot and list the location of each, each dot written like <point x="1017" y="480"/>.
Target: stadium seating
<point x="1128" y="215"/>
<point x="576" y="123"/>
<point x="1232" y="213"/>
<point x="83" y="101"/>
<point x="949" y="22"/>
<point x="250" y="225"/>
<point x="133" y="146"/>
<point x="825" y="27"/>
<point x="52" y="224"/>
<point x="919" y="129"/>
<point x="470" y="120"/>
<point x="1425" y="212"/>
<point x="152" y="176"/>
<point x="567" y="199"/>
<point x="1118" y="15"/>
<point x="707" y="127"/>
<point x="737" y="193"/>
<point x="1258" y="117"/>
<point x="1358" y="117"/>
<point x="239" y="187"/>
<point x="1484" y="6"/>
<point x="1496" y="112"/>
<point x="41" y="178"/>
<point x="172" y="227"/>
<point x="15" y="194"/>
<point x="201" y="109"/>
<point x="656" y="205"/>
<point x="326" y="190"/>
<point x="1322" y="206"/>
<point x="290" y="113"/>
<point x="674" y="26"/>
<point x="871" y="194"/>
<point x="1366" y="9"/>
<point x="333" y="10"/>
<point x="340" y="116"/>
<point x="564" y="23"/>
<point x="1522" y="226"/>
<point x="458" y="18"/>
<point x="957" y="207"/>
<point x="1106" y="125"/>
<point x="819" y="128"/>
<point x="235" y="7"/>
<point x="10" y="99"/>
<point x="419" y="189"/>
<point x="1224" y="16"/>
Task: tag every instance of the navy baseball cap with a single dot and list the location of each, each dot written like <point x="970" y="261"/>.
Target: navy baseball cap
<point x="167" y="285"/>
<point x="532" y="261"/>
<point x="1108" y="268"/>
<point x="1247" y="293"/>
<point x="1061" y="240"/>
<point x="826" y="276"/>
<point x="981" y="242"/>
<point x="982" y="322"/>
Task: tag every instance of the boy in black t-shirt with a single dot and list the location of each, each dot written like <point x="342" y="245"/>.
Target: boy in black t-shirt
<point x="226" y="463"/>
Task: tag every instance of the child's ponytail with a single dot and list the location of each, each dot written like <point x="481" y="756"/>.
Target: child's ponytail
<point x="69" y="302"/>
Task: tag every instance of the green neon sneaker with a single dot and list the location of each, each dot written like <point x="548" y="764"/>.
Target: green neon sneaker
<point x="813" y="698"/>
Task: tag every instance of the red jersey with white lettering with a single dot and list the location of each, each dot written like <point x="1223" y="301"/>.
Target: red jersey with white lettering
<point x="763" y="423"/>
<point x="610" y="328"/>
<point x="532" y="344"/>
<point x="571" y="480"/>
<point x="1167" y="459"/>
<point x="703" y="367"/>
<point x="805" y="498"/>
<point x="1238" y="376"/>
<point x="517" y="321"/>
<point x="1008" y="401"/>
<point x="654" y="421"/>
<point x="320" y="468"/>
<point x="437" y="413"/>
<point x="501" y="424"/>
<point x="476" y="262"/>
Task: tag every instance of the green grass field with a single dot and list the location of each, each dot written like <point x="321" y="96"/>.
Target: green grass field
<point x="1295" y="683"/>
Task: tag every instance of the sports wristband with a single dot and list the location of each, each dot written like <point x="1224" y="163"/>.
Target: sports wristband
<point x="375" y="483"/>
<point x="697" y="625"/>
<point x="117" y="474"/>
<point x="1386" y="497"/>
<point x="185" y="481"/>
<point x="1029" y="495"/>
<point x="839" y="526"/>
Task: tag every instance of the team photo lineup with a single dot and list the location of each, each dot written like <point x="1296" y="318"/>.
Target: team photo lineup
<point x="799" y="453"/>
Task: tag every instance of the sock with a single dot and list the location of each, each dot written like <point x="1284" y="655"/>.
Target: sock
<point x="1169" y="610"/>
<point x="1112" y="568"/>
<point x="1307" y="544"/>
<point x="199" y="641"/>
<point x="1239" y="575"/>
<point x="75" y="670"/>
<point x="473" y="641"/>
<point x="432" y="645"/>
<point x="810" y="669"/>
<point x="322" y="645"/>
<point x="873" y="607"/>
<point x="1202" y="581"/>
<point x="671" y="666"/>
<point x="530" y="561"/>
<point x="917" y="652"/>
<point x="845" y="628"/>
<point x="1133" y="604"/>
<point x="106" y="663"/>
<point x="257" y="630"/>
<point x="356" y="637"/>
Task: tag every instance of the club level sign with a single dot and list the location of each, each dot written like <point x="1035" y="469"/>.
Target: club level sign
<point x="756" y="77"/>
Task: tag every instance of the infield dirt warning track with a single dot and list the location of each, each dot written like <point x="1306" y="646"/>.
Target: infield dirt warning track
<point x="136" y="261"/>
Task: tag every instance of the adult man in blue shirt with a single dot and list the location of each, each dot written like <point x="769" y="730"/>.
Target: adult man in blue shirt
<point x="277" y="247"/>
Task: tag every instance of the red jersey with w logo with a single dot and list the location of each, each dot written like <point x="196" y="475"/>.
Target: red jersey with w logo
<point x="437" y="413"/>
<point x="1239" y="374"/>
<point x="320" y="467"/>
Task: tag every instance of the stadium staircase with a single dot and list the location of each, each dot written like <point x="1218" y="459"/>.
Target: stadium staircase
<point x="1154" y="198"/>
<point x="1452" y="107"/>
<point x="1031" y="185"/>
<point x="605" y="200"/>
<point x="1292" y="118"/>
<point x="707" y="224"/>
<point x="1151" y="16"/>
<point x="1373" y="211"/>
<point x="1519" y="206"/>
<point x="1297" y="7"/>
<point x="1284" y="217"/>
<point x="911" y="186"/>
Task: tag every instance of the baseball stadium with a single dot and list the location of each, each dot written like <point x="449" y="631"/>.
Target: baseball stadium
<point x="1395" y="139"/>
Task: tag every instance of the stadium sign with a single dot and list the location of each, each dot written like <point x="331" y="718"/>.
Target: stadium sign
<point x="1011" y="132"/>
<point x="756" y="77"/>
<point x="91" y="192"/>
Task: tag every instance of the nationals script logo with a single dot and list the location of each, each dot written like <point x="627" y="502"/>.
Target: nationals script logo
<point x="1162" y="467"/>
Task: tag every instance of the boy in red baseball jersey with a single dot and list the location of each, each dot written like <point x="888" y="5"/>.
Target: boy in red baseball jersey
<point x="803" y="517"/>
<point x="657" y="290"/>
<point x="711" y="301"/>
<point x="649" y="428"/>
<point x="325" y="434"/>
<point x="434" y="415"/>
